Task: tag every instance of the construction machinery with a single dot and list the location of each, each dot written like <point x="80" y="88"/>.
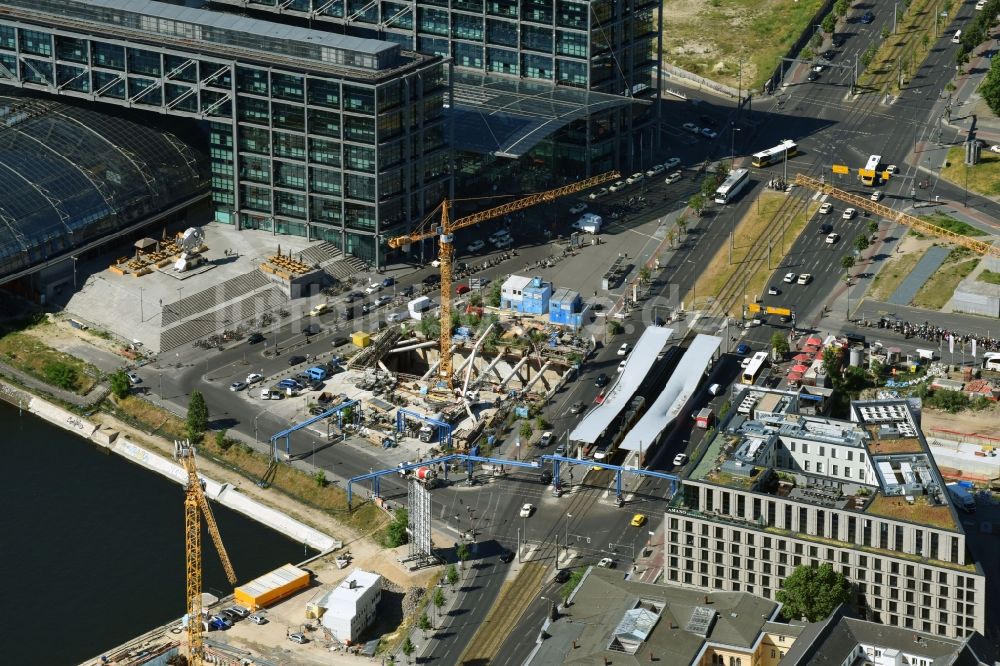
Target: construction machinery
<point x="195" y="507"/>
<point x="885" y="212"/>
<point x="445" y="232"/>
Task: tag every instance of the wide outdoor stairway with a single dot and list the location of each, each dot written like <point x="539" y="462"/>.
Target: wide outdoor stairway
<point x="332" y="261"/>
<point x="212" y="297"/>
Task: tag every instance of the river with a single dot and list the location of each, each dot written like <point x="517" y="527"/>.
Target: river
<point x="93" y="546"/>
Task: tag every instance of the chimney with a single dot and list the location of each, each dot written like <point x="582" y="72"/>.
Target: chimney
<point x="352" y="583"/>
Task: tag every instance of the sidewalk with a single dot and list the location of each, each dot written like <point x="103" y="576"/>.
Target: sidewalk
<point x="648" y="568"/>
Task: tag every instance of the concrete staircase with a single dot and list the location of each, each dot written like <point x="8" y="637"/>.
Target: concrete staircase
<point x="210" y="298"/>
<point x="229" y="314"/>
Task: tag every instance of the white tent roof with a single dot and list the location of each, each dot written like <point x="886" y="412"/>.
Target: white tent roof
<point x="649" y="345"/>
<point x="676" y="394"/>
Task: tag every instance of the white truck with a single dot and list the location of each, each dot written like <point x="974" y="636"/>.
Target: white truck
<point x="418" y="306"/>
<point x="589" y="223"/>
<point x="962" y="498"/>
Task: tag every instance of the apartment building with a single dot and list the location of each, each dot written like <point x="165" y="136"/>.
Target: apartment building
<point x="311" y="133"/>
<point x="776" y="489"/>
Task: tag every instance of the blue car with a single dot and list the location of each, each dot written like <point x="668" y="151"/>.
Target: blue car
<point x="289" y="383"/>
<point x="743" y="349"/>
<point x="867" y="18"/>
<point x="388" y="282"/>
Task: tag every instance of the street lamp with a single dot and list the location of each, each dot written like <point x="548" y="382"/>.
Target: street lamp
<point x="732" y="140"/>
<point x="566" y="542"/>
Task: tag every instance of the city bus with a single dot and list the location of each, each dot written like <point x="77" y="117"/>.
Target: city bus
<point x="753" y="370"/>
<point x="782" y="151"/>
<point x="736" y="181"/>
<point x="871" y="168"/>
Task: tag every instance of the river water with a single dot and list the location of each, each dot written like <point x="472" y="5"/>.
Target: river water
<point x="92" y="546"/>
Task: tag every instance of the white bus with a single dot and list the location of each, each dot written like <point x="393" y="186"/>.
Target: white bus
<point x="736" y="181"/>
<point x="779" y="153"/>
<point x="753" y="370"/>
<point x="869" y="175"/>
<point x="991" y="361"/>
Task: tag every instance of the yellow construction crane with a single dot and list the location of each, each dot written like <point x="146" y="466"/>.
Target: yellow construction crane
<point x="865" y="203"/>
<point x="446" y="248"/>
<point x="195" y="506"/>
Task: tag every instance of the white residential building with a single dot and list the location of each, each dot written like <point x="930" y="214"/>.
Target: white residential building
<point x="350" y="607"/>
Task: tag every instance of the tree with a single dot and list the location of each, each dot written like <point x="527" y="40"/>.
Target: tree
<point x="645" y="274"/>
<point x="424" y="623"/>
<point x="697" y="204"/>
<point x="876" y="368"/>
<point x="816" y="40"/>
<point x="847" y="261"/>
<point x="60" y="374"/>
<point x="885" y="31"/>
<point x="861" y="243"/>
<point x="682" y="223"/>
<point x="463" y="552"/>
<point x="829" y="24"/>
<point x="438" y="600"/>
<point x="840" y="7"/>
<point x="452" y="575"/>
<point x="197" y="417"/>
<point x="813" y="592"/>
<point x="320" y="478"/>
<point x="525" y="430"/>
<point x="832" y="358"/>
<point x="120" y="385"/>
<point x="494" y="297"/>
<point x="222" y="441"/>
<point x="778" y="343"/>
<point x="868" y="56"/>
<point x="873" y="227"/>
<point x="990" y="87"/>
<point x="395" y="532"/>
<point x="408" y="648"/>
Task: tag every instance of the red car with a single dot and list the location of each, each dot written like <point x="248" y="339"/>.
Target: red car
<point x="462" y="289"/>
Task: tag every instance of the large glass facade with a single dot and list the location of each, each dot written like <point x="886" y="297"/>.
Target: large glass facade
<point x="334" y="155"/>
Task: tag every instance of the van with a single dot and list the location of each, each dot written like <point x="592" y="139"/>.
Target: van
<point x="714" y="389"/>
<point x="957" y="38"/>
<point x="317" y="373"/>
<point x="319" y="309"/>
<point x="418" y="306"/>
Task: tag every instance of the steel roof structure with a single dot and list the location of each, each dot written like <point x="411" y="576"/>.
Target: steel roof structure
<point x="676" y="394"/>
<point x="650" y="344"/>
<point x="70" y="175"/>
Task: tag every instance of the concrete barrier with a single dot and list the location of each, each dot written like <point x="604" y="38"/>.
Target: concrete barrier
<point x="61" y="417"/>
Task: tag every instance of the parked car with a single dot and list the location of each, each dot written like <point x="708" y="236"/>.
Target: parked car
<point x="709" y="133"/>
<point x="133" y="378"/>
<point x="462" y="289"/>
<point x="353" y="296"/>
<point x="577" y="407"/>
<point x="546" y="439"/>
<point x="296" y="637"/>
<point x="829" y="55"/>
<point x="237" y="386"/>
<point x="818" y="67"/>
<point x="680" y="460"/>
<point x="295" y="360"/>
<point x="475" y="246"/>
<point x="813" y="75"/>
<point x="673" y="178"/>
<point x="691" y="127"/>
<point x="395" y="317"/>
<point x="254" y="377"/>
<point x="838" y="41"/>
<point x="826" y="208"/>
<point x="743" y="349"/>
<point x="995" y="148"/>
<point x="431" y="279"/>
<point x="383" y="300"/>
<point x="560" y="450"/>
<point x="506" y="556"/>
<point x="562" y="576"/>
<point x="258" y="618"/>
<point x="624" y="349"/>
<point x="255" y="338"/>
<point x="867" y="17"/>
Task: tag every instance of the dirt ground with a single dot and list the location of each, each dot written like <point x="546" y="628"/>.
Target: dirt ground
<point x="985" y="422"/>
<point x="58" y="334"/>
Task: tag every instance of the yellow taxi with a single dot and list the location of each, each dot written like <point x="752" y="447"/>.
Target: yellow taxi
<point x="638" y="520"/>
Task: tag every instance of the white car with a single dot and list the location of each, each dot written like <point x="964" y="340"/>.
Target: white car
<point x="805" y="278"/>
<point x="773" y="291"/>
<point x="671" y="163"/>
<point x="892" y="168"/>
<point x="621" y="366"/>
<point x="709" y="133"/>
<point x="475" y="246"/>
<point x="745" y="362"/>
<point x="501" y="243"/>
<point x="578" y="208"/>
<point x="995" y="148"/>
<point x="618" y="186"/>
<point x="603" y="192"/>
<point x="680" y="459"/>
<point x="656" y="170"/>
<point x="826" y="208"/>
<point x="789" y="278"/>
<point x="832" y="238"/>
<point x="133" y="378"/>
<point x="546" y="439"/>
<point x="527" y="510"/>
<point x="876" y="195"/>
<point x="623" y="349"/>
<point x="849" y="213"/>
<point x="254" y="377"/>
<point x="606" y="563"/>
<point x="395" y="317"/>
<point x="818" y="68"/>
<point x="373" y="288"/>
<point x="237" y="386"/>
<point x="635" y="178"/>
<point x="673" y="178"/>
<point x="691" y="127"/>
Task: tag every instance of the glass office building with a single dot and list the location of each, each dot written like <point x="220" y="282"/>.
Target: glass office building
<point x="569" y="84"/>
<point x="313" y="134"/>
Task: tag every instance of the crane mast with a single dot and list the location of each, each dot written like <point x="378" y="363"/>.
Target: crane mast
<point x="196" y="506"/>
<point x="445" y="232"/>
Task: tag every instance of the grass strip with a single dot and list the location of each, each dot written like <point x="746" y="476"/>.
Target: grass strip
<point x="982" y="178"/>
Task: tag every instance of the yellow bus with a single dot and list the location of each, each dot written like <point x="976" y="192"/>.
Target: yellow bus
<point x="869" y="175"/>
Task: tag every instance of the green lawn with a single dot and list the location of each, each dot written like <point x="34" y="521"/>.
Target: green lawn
<point x="893" y="273"/>
<point x="29" y="354"/>
<point x="951" y="224"/>
<point x="940" y="287"/>
<point x="983" y="178"/>
<point x="989" y="277"/>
